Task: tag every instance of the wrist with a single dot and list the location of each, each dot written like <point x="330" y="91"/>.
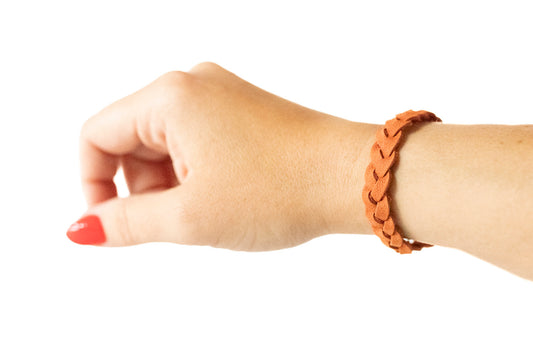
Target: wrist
<point x="345" y="154"/>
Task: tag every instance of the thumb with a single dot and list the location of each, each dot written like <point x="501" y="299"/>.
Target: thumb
<point x="148" y="217"/>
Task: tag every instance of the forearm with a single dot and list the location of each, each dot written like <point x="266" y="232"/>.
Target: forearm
<point x="468" y="187"/>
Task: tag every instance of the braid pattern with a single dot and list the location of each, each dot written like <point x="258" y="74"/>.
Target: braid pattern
<point x="378" y="175"/>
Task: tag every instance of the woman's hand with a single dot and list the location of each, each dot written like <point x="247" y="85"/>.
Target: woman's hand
<point x="210" y="159"/>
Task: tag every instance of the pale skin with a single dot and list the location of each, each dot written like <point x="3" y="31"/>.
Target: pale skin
<point x="211" y="159"/>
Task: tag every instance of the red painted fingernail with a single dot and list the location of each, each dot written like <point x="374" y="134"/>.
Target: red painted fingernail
<point x="87" y="230"/>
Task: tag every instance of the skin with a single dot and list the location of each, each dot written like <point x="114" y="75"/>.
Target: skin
<point x="211" y="159"/>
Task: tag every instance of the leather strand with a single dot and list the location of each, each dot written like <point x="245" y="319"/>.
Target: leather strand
<point x="378" y="175"/>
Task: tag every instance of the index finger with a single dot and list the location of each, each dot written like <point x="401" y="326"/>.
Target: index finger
<point x="106" y="136"/>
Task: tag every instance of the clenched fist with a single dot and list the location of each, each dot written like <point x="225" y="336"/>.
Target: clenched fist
<point x="210" y="159"/>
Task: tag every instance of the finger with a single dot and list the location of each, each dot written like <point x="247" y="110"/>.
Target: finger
<point x="149" y="217"/>
<point x="97" y="171"/>
<point x="143" y="175"/>
<point x="113" y="132"/>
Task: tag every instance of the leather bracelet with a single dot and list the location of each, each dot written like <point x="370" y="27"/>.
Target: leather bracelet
<point x="378" y="175"/>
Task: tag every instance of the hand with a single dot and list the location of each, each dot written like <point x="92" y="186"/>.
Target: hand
<point x="210" y="159"/>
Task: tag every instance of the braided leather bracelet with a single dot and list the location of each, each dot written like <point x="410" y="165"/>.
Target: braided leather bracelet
<point x="378" y="175"/>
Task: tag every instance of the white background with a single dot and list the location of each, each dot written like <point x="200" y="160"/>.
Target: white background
<point x="62" y="61"/>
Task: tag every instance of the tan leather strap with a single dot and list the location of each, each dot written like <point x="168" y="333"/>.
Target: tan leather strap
<point x="378" y="176"/>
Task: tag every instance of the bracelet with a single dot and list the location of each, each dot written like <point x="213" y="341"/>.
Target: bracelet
<point x="378" y="175"/>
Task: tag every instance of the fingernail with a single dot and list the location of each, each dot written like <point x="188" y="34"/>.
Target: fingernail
<point x="87" y="230"/>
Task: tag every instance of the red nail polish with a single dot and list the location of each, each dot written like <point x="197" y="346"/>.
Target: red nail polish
<point x="87" y="230"/>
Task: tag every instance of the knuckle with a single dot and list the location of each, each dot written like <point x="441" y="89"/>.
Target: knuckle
<point x="85" y="129"/>
<point x="175" y="83"/>
<point x="89" y="128"/>
<point x="205" y="67"/>
<point x="174" y="90"/>
<point x="174" y="76"/>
